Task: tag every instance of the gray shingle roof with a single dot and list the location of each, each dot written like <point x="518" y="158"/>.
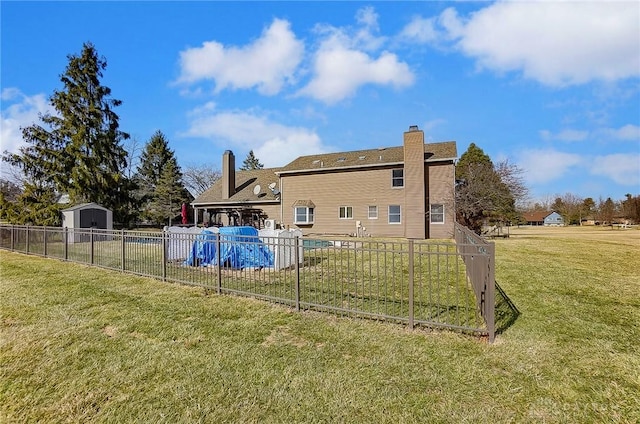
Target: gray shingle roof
<point x="369" y="157"/>
<point x="245" y="183"/>
<point x="247" y="180"/>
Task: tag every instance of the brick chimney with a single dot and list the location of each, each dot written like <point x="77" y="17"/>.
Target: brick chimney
<point x="228" y="174"/>
<point x="414" y="184"/>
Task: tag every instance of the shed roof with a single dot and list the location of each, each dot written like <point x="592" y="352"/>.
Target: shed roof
<point x="91" y="205"/>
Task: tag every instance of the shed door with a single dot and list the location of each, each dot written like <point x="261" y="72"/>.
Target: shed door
<point x="93" y="218"/>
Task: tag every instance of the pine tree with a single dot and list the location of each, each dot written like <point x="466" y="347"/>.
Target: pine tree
<point x="77" y="150"/>
<point x="159" y="180"/>
<point x="251" y="162"/>
<point x="474" y="156"/>
<point x="169" y="194"/>
<point x="485" y="191"/>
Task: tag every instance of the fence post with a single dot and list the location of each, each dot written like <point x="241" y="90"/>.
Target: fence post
<point x="44" y="237"/>
<point x="122" y="248"/>
<point x="411" y="280"/>
<point x="296" y="256"/>
<point x="490" y="292"/>
<point x="91" y="246"/>
<point x="66" y="243"/>
<point x="27" y="239"/>
<point x="218" y="265"/>
<point x="164" y="256"/>
<point x="13" y="229"/>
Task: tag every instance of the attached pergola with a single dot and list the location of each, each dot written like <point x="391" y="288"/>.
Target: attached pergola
<point x="232" y="216"/>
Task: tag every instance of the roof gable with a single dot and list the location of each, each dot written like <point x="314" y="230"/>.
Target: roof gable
<point x="90" y="205"/>
<point x="537" y="216"/>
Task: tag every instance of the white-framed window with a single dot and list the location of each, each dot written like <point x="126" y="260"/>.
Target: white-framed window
<point x="436" y="213"/>
<point x="397" y="178"/>
<point x="346" y="212"/>
<point x="303" y="215"/>
<point x="395" y="214"/>
<point x="372" y="212"/>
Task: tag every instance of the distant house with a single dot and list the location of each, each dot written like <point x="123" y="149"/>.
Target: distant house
<point x="553" y="219"/>
<point x="588" y="221"/>
<point x="545" y="218"/>
<point x="400" y="191"/>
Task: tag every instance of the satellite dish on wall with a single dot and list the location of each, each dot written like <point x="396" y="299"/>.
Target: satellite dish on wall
<point x="272" y="186"/>
<point x="256" y="189"/>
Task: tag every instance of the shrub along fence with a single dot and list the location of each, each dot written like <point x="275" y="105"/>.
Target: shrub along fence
<point x="414" y="282"/>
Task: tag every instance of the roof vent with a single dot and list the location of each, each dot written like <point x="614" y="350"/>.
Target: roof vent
<point x="361" y="157"/>
<point x="341" y="159"/>
<point x="413" y="128"/>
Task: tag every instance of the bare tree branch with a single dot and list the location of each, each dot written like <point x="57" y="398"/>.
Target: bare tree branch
<point x="198" y="178"/>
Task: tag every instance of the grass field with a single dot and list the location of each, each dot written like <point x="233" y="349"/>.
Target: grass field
<point x="81" y="344"/>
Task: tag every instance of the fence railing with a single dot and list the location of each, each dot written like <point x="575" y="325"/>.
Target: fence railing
<point x="479" y="259"/>
<point x="415" y="282"/>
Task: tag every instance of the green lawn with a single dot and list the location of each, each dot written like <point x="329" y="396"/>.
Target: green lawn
<point x="80" y="344"/>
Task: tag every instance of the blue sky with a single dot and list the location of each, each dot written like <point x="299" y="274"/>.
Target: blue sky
<point x="553" y="87"/>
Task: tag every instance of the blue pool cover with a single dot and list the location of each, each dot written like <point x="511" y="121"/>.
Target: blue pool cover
<point x="240" y="248"/>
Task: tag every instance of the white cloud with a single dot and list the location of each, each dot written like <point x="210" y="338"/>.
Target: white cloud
<point x="344" y="61"/>
<point x="22" y="112"/>
<point x="340" y="71"/>
<point x="430" y="125"/>
<point x="366" y="36"/>
<point x="267" y="63"/>
<point x="555" y="43"/>
<point x="542" y="166"/>
<point x="420" y="30"/>
<point x="626" y="133"/>
<point x="565" y="135"/>
<point x="273" y="143"/>
<point x="623" y="169"/>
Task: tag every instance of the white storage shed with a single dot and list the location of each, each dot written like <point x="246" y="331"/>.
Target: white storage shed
<point x="86" y="215"/>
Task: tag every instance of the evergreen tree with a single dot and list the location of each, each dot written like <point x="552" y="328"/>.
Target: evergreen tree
<point x="251" y="162"/>
<point x="484" y="191"/>
<point x="631" y="208"/>
<point x="159" y="181"/>
<point x="473" y="157"/>
<point x="607" y="210"/>
<point x="169" y="194"/>
<point x="77" y="150"/>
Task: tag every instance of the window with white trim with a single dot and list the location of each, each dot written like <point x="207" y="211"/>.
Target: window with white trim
<point x="395" y="214"/>
<point x="397" y="178"/>
<point x="303" y="215"/>
<point x="346" y="212"/>
<point x="436" y="213"/>
<point x="372" y="212"/>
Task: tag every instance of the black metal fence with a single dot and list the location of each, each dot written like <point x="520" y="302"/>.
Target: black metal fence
<point x="415" y="282"/>
<point x="479" y="259"/>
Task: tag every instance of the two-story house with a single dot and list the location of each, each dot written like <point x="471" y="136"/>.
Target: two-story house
<point x="401" y="191"/>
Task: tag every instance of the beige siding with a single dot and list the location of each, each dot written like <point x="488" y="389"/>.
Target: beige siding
<point x="358" y="189"/>
<point x="414" y="182"/>
<point x="361" y="189"/>
<point x="272" y="211"/>
<point x="441" y="182"/>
